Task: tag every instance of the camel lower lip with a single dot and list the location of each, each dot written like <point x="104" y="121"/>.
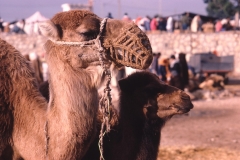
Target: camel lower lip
<point x="182" y="109"/>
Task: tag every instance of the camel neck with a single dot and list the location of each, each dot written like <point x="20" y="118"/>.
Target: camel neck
<point x="71" y="93"/>
<point x="29" y="109"/>
<point x="72" y="111"/>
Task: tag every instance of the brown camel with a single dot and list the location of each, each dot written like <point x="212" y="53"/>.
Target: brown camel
<point x="65" y="127"/>
<point x="146" y="104"/>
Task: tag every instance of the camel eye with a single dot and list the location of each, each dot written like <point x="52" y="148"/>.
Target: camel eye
<point x="88" y="35"/>
<point x="160" y="95"/>
<point x="85" y="33"/>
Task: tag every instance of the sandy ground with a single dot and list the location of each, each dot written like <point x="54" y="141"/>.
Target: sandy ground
<point x="211" y="131"/>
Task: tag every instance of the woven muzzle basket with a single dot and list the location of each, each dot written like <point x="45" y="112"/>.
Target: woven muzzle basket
<point x="131" y="48"/>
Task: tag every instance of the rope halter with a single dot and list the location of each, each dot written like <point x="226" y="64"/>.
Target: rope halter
<point x="97" y="41"/>
<point x="130" y="48"/>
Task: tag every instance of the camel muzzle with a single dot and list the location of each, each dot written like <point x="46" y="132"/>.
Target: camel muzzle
<point x="131" y="48"/>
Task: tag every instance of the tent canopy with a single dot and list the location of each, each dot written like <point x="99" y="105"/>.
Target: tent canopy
<point x="36" y="17"/>
<point x="31" y="23"/>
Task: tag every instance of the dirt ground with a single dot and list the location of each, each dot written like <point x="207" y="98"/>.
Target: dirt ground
<point x="211" y="131"/>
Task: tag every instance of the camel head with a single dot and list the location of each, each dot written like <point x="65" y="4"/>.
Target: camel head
<point x="157" y="99"/>
<point x="80" y="35"/>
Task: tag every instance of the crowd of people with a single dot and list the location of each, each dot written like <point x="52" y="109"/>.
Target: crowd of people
<point x="12" y="27"/>
<point x="184" y="23"/>
<point x="155" y="23"/>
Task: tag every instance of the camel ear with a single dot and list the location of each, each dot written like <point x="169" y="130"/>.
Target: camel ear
<point x="124" y="85"/>
<point x="152" y="89"/>
<point x="48" y="29"/>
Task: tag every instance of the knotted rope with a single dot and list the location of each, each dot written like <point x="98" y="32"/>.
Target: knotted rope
<point x="106" y="101"/>
<point x="47" y="139"/>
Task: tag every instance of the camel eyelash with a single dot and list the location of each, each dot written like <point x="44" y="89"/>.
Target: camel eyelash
<point x="88" y="34"/>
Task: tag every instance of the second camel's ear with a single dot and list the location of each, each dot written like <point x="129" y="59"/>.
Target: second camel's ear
<point x="152" y="89"/>
<point x="124" y="86"/>
<point x="49" y="30"/>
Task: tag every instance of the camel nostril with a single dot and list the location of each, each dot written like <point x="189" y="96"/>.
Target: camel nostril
<point x="80" y="55"/>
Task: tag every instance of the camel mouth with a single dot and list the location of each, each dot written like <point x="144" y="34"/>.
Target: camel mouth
<point x="131" y="48"/>
<point x="181" y="108"/>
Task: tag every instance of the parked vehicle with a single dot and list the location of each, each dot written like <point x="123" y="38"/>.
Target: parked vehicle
<point x="209" y="63"/>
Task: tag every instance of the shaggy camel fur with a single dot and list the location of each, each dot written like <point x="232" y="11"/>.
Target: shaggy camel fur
<point x="65" y="127"/>
<point x="146" y="104"/>
<point x="23" y="109"/>
<point x="36" y="65"/>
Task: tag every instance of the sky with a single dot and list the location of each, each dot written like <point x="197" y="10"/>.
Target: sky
<point x="11" y="10"/>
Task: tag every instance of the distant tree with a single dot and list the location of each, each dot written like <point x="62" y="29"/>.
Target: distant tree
<point x="237" y="5"/>
<point x="220" y="8"/>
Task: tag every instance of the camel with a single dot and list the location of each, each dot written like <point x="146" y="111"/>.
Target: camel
<point x="145" y="104"/>
<point x="77" y="58"/>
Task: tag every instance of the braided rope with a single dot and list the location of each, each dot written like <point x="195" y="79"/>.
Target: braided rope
<point x="47" y="139"/>
<point x="106" y="101"/>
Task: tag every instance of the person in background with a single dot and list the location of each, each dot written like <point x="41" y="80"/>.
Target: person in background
<point x="186" y="20"/>
<point x="196" y="24"/>
<point x="162" y="23"/>
<point x="163" y="68"/>
<point x="153" y="68"/>
<point x="218" y="26"/>
<point x="177" y="26"/>
<point x="154" y="23"/>
<point x="183" y="69"/>
<point x="126" y="17"/>
<point x="175" y="70"/>
<point x="147" y="21"/>
<point x="19" y="27"/>
<point x="140" y="23"/>
<point x="110" y="15"/>
<point x="1" y="25"/>
<point x="227" y="26"/>
<point x="6" y="27"/>
<point x="208" y="27"/>
<point x="169" y="25"/>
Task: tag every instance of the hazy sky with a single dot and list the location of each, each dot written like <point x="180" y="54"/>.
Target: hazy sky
<point x="17" y="9"/>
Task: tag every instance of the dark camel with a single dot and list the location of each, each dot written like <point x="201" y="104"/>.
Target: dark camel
<point x="145" y="105"/>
